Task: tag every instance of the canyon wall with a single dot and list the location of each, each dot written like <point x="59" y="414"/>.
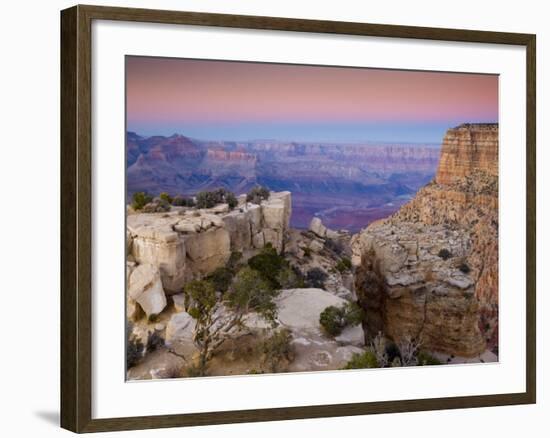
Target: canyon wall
<point x="455" y="223"/>
<point x="347" y="185"/>
<point x="468" y="148"/>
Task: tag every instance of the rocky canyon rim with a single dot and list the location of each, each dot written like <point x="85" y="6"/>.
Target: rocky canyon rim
<point x="428" y="271"/>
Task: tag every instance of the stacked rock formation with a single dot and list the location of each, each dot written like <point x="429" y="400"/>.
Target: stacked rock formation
<point x="408" y="264"/>
<point x="187" y="244"/>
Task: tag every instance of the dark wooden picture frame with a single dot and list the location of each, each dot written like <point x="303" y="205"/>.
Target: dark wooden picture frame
<point x="76" y="217"/>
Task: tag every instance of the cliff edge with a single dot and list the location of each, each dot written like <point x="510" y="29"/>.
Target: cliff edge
<point x="430" y="271"/>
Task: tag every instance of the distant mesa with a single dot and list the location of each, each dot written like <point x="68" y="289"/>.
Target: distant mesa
<point x="348" y="185"/>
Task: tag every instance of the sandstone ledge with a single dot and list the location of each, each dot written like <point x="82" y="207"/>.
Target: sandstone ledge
<point x="185" y="244"/>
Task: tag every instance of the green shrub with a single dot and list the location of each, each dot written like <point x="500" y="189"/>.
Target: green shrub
<point x="353" y="314"/>
<point x="257" y="195"/>
<point x="424" y="358"/>
<point x="251" y="291"/>
<point x="220" y="196"/>
<point x="180" y="201"/>
<point x="234" y="260"/>
<point x="464" y="268"/>
<point x="363" y="360"/>
<point x="207" y="199"/>
<point x="221" y="278"/>
<point x="276" y="350"/>
<point x="343" y="265"/>
<point x="290" y="277"/>
<point x="231" y="200"/>
<point x="444" y="254"/>
<point x="166" y="197"/>
<point x="200" y="297"/>
<point x="269" y="264"/>
<point x="140" y="200"/>
<point x="316" y="277"/>
<point x="334" y="319"/>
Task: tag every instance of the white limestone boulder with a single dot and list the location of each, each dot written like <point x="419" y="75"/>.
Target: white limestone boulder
<point x="276" y="210"/>
<point x="145" y="288"/>
<point x="316" y="226"/>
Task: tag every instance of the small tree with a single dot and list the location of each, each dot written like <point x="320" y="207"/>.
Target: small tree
<point x="251" y="291"/>
<point x="444" y="254"/>
<point x="269" y="264"/>
<point x="221" y="279"/>
<point x="140" y="200"/>
<point x="276" y="350"/>
<point x="219" y="317"/>
<point x="343" y="265"/>
<point x="290" y="277"/>
<point x="206" y="199"/>
<point x="220" y="196"/>
<point x="257" y="194"/>
<point x="181" y="201"/>
<point x="231" y="200"/>
<point x="166" y="197"/>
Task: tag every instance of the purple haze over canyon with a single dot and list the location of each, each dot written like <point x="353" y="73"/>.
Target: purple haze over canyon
<point x="351" y="144"/>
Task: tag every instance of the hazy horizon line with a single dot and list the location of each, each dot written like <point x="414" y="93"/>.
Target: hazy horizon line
<point x="276" y="140"/>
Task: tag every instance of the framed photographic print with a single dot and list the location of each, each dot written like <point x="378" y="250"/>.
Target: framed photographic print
<point x="303" y="218"/>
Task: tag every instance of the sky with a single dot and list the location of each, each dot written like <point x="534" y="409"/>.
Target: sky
<point x="227" y="100"/>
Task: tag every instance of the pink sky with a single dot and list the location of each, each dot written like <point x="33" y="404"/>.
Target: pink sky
<point x="166" y="90"/>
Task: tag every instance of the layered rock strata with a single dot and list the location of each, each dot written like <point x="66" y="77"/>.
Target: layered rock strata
<point x="405" y="287"/>
<point x="468" y="148"/>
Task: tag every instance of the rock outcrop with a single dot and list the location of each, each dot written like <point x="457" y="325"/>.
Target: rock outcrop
<point x="186" y="244"/>
<point x="468" y="148"/>
<point x="451" y="302"/>
<point x="145" y="288"/>
<point x="411" y="285"/>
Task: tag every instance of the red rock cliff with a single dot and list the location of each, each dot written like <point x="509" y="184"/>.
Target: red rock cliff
<point x="462" y="199"/>
<point x="467" y="148"/>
